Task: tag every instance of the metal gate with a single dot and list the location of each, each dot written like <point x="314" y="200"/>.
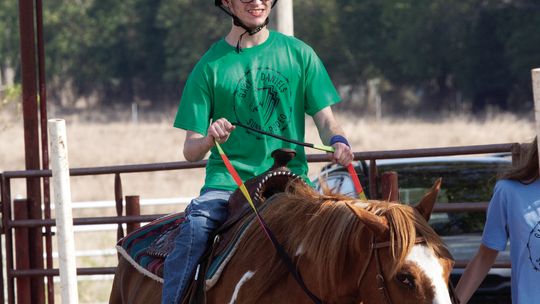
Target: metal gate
<point x="18" y="225"/>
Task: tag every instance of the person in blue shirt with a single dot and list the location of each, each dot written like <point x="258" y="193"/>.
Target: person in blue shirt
<point x="513" y="214"/>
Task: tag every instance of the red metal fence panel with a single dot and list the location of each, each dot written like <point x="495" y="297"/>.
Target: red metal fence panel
<point x="11" y="225"/>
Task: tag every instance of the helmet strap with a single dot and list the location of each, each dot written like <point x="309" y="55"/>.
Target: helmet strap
<point x="236" y="21"/>
<point x="238" y="47"/>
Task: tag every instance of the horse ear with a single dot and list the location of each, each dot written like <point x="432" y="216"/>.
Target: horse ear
<point x="425" y="207"/>
<point x="376" y="224"/>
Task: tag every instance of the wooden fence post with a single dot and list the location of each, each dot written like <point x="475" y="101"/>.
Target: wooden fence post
<point x="133" y="207"/>
<point x="389" y="186"/>
<point x="118" y="198"/>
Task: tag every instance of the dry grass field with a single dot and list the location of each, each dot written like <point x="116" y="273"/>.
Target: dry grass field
<point x="94" y="144"/>
<point x="120" y="143"/>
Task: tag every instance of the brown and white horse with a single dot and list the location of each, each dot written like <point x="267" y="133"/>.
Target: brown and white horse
<point x="346" y="251"/>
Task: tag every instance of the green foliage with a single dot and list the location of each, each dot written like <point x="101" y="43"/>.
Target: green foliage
<point x="9" y="34"/>
<point x="141" y="49"/>
<point x="191" y="26"/>
<point x="10" y="94"/>
<point x="113" y="47"/>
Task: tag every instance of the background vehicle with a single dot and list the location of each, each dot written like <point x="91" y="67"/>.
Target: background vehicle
<point x="465" y="179"/>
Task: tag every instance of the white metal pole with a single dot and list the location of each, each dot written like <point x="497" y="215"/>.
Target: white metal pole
<point x="284" y="17"/>
<point x="536" y="93"/>
<point x="134" y="112"/>
<point x="62" y="204"/>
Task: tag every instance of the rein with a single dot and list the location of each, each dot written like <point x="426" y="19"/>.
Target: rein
<point x="350" y="168"/>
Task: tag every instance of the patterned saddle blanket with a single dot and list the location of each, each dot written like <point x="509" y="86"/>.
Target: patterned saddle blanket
<point x="147" y="247"/>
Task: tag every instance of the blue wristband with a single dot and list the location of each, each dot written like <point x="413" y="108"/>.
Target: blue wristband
<point x="340" y="139"/>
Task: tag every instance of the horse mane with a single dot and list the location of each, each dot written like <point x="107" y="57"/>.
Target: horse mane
<point x="319" y="225"/>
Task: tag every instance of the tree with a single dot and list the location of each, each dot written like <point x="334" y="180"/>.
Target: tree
<point x="9" y="40"/>
<point x="124" y="51"/>
<point x="190" y="28"/>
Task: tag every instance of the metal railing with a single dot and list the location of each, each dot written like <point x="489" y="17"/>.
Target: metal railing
<point x="11" y="225"/>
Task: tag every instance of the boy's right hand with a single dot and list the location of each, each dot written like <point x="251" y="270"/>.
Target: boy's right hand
<point x="220" y="130"/>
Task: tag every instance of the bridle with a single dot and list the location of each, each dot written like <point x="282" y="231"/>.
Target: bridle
<point x="381" y="282"/>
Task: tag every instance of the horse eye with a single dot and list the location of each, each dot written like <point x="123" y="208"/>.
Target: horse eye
<point x="406" y="279"/>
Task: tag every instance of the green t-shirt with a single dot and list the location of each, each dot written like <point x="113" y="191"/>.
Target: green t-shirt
<point x="268" y="87"/>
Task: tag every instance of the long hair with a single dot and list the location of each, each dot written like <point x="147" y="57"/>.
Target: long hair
<point x="527" y="170"/>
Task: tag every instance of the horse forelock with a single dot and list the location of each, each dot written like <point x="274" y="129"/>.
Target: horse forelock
<point x="405" y="226"/>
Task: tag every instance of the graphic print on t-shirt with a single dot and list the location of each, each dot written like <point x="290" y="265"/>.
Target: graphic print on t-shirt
<point x="533" y="245"/>
<point x="259" y="101"/>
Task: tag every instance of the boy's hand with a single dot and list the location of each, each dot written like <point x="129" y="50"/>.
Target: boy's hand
<point x="220" y="130"/>
<point x="342" y="155"/>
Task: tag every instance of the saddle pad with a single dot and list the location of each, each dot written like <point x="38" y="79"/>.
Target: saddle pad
<point x="147" y="247"/>
<point x="219" y="262"/>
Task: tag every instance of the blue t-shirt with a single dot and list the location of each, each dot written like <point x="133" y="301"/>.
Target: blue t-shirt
<point x="514" y="213"/>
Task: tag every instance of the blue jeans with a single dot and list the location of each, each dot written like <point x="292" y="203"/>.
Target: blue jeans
<point x="203" y="215"/>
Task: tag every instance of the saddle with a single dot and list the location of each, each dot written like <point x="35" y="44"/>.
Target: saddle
<point x="275" y="180"/>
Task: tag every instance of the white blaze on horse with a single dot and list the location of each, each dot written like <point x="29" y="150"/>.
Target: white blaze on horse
<point x="345" y="250"/>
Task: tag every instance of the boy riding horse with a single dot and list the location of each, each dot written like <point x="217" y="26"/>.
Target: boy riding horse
<point x="261" y="79"/>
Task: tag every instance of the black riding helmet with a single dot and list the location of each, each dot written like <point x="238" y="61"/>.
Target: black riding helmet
<point x="238" y="22"/>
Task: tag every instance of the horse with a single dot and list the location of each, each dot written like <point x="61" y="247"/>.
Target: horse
<point x="344" y="249"/>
